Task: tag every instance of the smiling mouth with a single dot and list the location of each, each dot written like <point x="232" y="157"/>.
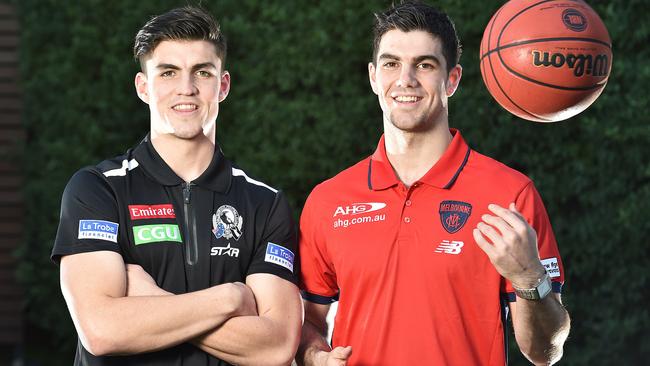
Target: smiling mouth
<point x="185" y="107"/>
<point x="408" y="99"/>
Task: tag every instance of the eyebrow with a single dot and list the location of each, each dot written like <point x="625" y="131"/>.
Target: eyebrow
<point x="203" y="65"/>
<point x="433" y="58"/>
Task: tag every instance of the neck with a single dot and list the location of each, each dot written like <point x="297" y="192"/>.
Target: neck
<point x="412" y="154"/>
<point x="188" y="158"/>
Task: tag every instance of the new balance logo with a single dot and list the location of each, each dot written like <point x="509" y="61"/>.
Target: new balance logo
<point x="450" y="247"/>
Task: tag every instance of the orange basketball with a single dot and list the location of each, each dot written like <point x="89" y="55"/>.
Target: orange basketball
<point x="545" y="61"/>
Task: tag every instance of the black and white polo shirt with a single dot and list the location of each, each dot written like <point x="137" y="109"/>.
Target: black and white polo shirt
<point x="216" y="229"/>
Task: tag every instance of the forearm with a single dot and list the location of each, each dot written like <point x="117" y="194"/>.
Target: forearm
<point x="129" y="325"/>
<point x="541" y="327"/>
<point x="253" y="340"/>
<point x="312" y="344"/>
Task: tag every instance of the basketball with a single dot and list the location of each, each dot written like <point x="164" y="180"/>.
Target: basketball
<point x="545" y="61"/>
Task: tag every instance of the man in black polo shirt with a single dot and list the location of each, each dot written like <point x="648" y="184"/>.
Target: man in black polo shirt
<point x="155" y="245"/>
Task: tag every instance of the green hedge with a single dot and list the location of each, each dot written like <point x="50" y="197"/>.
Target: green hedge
<point x="301" y="110"/>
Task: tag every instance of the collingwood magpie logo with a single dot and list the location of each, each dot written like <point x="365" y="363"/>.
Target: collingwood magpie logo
<point x="226" y="223"/>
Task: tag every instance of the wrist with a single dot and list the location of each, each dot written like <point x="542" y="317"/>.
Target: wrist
<point x="536" y="292"/>
<point x="531" y="278"/>
<point x="319" y="356"/>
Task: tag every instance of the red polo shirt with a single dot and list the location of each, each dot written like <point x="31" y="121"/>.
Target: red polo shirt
<point x="413" y="286"/>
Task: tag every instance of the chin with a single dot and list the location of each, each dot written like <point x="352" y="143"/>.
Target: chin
<point x="410" y="124"/>
<point x="187" y="133"/>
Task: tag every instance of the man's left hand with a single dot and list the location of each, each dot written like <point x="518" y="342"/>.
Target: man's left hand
<point x="511" y="245"/>
<point x="140" y="283"/>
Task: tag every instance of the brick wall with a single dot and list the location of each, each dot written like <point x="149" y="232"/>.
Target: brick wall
<point x="11" y="201"/>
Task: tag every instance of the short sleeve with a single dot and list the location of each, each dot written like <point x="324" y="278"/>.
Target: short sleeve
<point x="278" y="251"/>
<point x="89" y="217"/>
<point x="530" y="204"/>
<point x="318" y="277"/>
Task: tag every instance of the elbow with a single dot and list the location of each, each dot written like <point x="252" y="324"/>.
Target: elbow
<point x="548" y="357"/>
<point x="99" y="341"/>
<point x="98" y="344"/>
<point x="284" y="351"/>
<point x="283" y="354"/>
<point x="546" y="350"/>
<point x="546" y="354"/>
<point x="283" y="357"/>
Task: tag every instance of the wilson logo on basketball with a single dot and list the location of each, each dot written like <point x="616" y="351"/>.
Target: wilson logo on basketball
<point x="574" y="20"/>
<point x="597" y="65"/>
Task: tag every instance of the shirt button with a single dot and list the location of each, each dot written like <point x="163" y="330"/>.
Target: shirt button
<point x="408" y="202"/>
<point x="407" y="220"/>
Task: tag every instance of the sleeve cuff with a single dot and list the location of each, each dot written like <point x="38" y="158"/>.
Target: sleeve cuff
<point x="318" y="299"/>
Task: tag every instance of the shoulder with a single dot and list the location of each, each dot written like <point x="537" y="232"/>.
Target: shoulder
<point x="347" y="180"/>
<point x="486" y="169"/>
<point x="242" y="180"/>
<point x="254" y="193"/>
<point x="100" y="177"/>
<point x="119" y="166"/>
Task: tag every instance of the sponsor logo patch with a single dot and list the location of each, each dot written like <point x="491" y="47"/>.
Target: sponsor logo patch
<point x="450" y="247"/>
<point x="454" y="215"/>
<point x="146" y="234"/>
<point x="227" y="250"/>
<point x="359" y="208"/>
<point x="226" y="223"/>
<point x="98" y="229"/>
<point x="343" y="223"/>
<point x="279" y="255"/>
<point x="552" y="267"/>
<point x="140" y="212"/>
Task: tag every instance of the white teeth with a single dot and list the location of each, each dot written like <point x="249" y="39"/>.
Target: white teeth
<point x="404" y="98"/>
<point x="185" y="107"/>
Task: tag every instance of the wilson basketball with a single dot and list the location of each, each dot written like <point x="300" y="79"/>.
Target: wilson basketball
<point x="545" y="61"/>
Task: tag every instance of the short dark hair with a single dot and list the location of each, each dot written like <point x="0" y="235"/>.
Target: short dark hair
<point x="411" y="15"/>
<point x="187" y="23"/>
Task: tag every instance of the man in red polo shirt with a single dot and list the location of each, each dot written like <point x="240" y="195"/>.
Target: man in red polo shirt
<point x="427" y="244"/>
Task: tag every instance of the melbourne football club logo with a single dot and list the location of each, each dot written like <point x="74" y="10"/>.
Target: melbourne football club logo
<point x="226" y="223"/>
<point x="454" y="215"/>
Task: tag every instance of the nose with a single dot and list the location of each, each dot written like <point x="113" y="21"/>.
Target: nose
<point x="187" y="85"/>
<point x="407" y="77"/>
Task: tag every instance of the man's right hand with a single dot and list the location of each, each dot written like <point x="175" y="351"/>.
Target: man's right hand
<point x="336" y="357"/>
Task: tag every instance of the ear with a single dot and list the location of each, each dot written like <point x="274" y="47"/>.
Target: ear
<point x="224" y="86"/>
<point x="453" y="79"/>
<point x="372" y="76"/>
<point x="141" y="87"/>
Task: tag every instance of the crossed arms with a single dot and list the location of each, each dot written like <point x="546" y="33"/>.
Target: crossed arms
<point x="116" y="311"/>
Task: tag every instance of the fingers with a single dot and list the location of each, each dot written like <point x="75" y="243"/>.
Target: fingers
<point x="482" y="242"/>
<point x="341" y="353"/>
<point x="490" y="233"/>
<point x="494" y="231"/>
<point x="510" y="216"/>
<point x="495" y="221"/>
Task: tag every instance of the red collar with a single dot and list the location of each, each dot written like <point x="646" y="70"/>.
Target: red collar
<point x="442" y="175"/>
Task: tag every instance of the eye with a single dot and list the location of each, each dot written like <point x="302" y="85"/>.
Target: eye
<point x="389" y="65"/>
<point x="203" y="74"/>
<point x="168" y="74"/>
<point x="426" y="66"/>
